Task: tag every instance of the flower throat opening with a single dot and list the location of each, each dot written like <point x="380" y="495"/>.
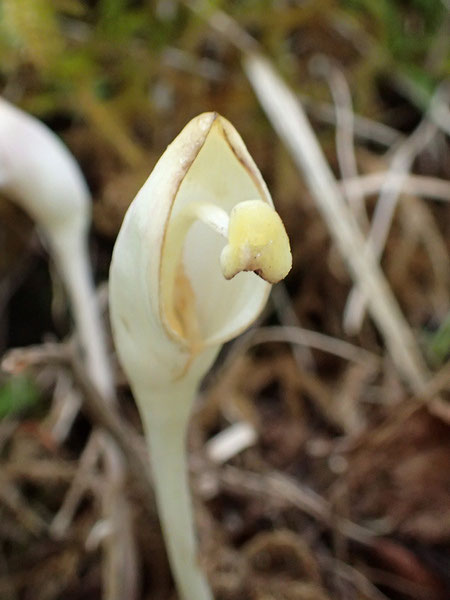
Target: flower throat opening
<point x="257" y="241"/>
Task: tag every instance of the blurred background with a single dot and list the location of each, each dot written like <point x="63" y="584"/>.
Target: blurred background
<point x="341" y="487"/>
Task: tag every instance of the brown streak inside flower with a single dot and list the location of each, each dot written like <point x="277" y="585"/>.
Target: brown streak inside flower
<point x="183" y="319"/>
<point x="250" y="169"/>
<point x="184" y="307"/>
<point x="194" y="152"/>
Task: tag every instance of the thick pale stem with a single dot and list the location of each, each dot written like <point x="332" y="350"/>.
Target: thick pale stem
<point x="166" y="438"/>
<point x="70" y="250"/>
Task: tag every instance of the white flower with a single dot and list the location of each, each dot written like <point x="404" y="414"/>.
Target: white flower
<point x="170" y="301"/>
<point x="190" y="270"/>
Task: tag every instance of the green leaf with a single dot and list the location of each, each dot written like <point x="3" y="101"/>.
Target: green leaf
<point x="439" y="344"/>
<point x="17" y="394"/>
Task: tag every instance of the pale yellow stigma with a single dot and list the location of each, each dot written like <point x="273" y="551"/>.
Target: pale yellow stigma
<point x="257" y="241"/>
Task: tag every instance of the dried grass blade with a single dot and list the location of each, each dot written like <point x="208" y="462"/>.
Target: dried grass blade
<point x="289" y="120"/>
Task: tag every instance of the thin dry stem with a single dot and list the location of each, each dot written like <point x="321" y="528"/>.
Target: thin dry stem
<point x="439" y="112"/>
<point x="418" y="219"/>
<point x="120" y="569"/>
<point x="364" y="128"/>
<point x="400" y="165"/>
<point x="288" y="317"/>
<point x="360" y="581"/>
<point x="345" y="147"/>
<point x="289" y="120"/>
<point x="316" y="340"/>
<point x="11" y="496"/>
<point x="418" y="185"/>
<point x="63" y="355"/>
<point x="283" y="489"/>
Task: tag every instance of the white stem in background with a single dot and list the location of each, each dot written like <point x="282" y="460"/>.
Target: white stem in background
<point x="71" y="253"/>
<point x="166" y="439"/>
<point x="39" y="173"/>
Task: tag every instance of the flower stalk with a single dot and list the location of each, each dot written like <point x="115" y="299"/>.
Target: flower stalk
<point x="166" y="440"/>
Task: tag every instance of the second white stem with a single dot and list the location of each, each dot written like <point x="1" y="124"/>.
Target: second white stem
<point x="74" y="266"/>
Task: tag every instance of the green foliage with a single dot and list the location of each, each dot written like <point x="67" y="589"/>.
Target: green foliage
<point x="439" y="344"/>
<point x="404" y="33"/>
<point x="98" y="60"/>
<point x="16" y="395"/>
<point x="24" y="22"/>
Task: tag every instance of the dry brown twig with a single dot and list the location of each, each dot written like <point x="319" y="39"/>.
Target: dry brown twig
<point x="364" y="128"/>
<point x="283" y="490"/>
<point x="418" y="185"/>
<point x="420" y="226"/>
<point x="345" y="148"/>
<point x="287" y="316"/>
<point x="400" y="165"/>
<point x="62" y="355"/>
<point x="11" y="496"/>
<point x="39" y="470"/>
<point x="66" y="403"/>
<point x="358" y="579"/>
<point x="288" y="119"/>
<point x="405" y="586"/>
<point x="114" y="506"/>
<point x="313" y="339"/>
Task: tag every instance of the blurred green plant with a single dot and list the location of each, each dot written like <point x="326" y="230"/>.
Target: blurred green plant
<point x="96" y="62"/>
<point x="406" y="33"/>
<point x="439" y="343"/>
<point x="17" y="394"/>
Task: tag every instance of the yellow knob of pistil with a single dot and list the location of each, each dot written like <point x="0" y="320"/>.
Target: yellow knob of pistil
<point x="257" y="241"/>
